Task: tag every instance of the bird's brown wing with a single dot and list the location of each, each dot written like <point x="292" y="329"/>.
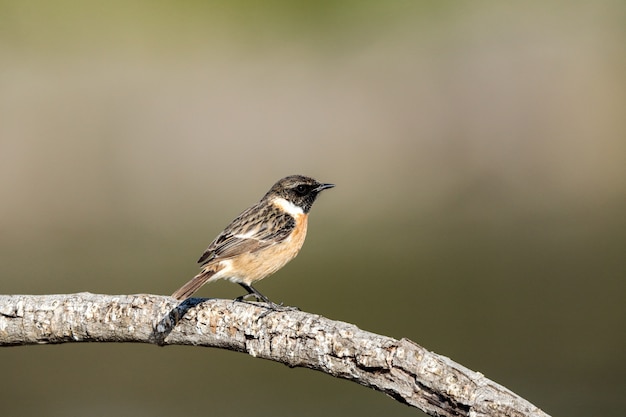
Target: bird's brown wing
<point x="256" y="228"/>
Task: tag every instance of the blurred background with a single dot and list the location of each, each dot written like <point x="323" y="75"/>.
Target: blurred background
<point x="478" y="149"/>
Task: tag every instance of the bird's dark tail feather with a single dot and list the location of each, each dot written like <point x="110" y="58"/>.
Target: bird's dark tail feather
<point x="193" y="285"/>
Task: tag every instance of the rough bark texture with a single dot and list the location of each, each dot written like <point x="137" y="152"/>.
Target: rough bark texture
<point x="400" y="368"/>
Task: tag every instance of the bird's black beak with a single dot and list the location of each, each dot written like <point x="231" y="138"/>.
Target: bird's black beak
<point x="323" y="187"/>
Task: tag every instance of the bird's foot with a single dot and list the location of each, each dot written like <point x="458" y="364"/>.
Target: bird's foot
<point x="274" y="308"/>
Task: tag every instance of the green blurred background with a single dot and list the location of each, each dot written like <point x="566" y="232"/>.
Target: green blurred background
<point x="478" y="150"/>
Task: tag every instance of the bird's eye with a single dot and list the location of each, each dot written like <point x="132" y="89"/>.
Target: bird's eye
<point x="301" y="189"/>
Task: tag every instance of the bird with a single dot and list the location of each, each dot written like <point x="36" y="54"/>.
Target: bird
<point x="261" y="240"/>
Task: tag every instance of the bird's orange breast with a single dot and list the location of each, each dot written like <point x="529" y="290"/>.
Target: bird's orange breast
<point x="254" y="266"/>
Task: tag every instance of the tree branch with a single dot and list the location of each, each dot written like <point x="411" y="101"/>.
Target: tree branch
<point x="400" y="368"/>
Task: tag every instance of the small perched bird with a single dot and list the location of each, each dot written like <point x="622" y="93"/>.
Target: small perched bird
<point x="261" y="240"/>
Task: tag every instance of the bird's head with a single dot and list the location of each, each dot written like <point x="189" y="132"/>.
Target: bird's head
<point x="298" y="190"/>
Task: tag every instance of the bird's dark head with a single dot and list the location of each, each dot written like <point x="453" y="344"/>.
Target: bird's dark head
<point x="298" y="190"/>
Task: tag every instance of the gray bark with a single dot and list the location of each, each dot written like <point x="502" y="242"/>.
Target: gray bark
<point x="400" y="368"/>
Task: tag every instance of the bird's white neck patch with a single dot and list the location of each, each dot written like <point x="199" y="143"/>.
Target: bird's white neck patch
<point x="288" y="206"/>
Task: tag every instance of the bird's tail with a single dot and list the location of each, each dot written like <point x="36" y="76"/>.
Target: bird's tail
<point x="193" y="285"/>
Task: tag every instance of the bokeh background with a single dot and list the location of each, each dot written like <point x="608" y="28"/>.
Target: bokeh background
<point x="478" y="149"/>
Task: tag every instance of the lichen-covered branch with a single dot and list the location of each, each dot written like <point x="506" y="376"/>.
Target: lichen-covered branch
<point x="399" y="368"/>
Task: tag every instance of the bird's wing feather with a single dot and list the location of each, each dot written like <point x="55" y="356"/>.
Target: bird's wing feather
<point x="256" y="228"/>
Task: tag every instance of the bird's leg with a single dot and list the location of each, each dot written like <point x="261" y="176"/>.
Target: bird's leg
<point x="253" y="292"/>
<point x="243" y="298"/>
